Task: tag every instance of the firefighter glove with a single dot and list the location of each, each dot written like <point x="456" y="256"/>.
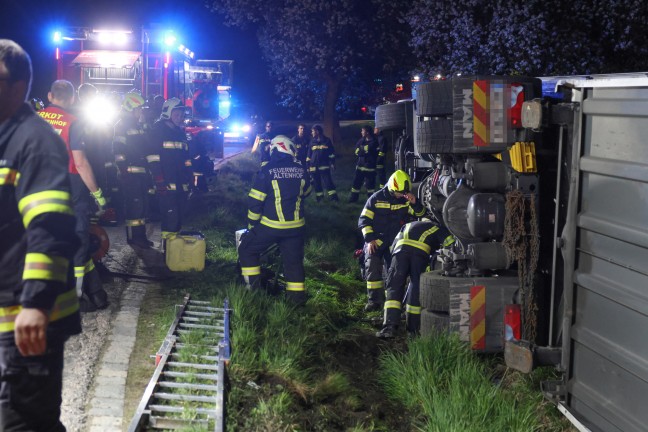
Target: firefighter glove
<point x="99" y="198"/>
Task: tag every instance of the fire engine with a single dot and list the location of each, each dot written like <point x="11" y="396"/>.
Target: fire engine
<point x="151" y="61"/>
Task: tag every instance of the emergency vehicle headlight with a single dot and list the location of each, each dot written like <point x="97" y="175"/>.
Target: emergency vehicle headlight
<point x="246" y="128"/>
<point x="101" y="111"/>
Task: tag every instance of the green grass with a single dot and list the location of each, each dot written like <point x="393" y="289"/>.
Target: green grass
<point x="319" y="367"/>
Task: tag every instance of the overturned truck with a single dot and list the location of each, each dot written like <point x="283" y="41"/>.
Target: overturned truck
<point x="544" y="184"/>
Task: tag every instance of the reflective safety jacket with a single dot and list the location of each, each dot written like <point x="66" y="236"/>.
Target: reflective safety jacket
<point x="422" y="237"/>
<point x="174" y="169"/>
<point x="384" y="214"/>
<point x="321" y="154"/>
<point x="367" y="152"/>
<point x="131" y="147"/>
<point x="275" y="199"/>
<point x="62" y="122"/>
<point x="301" y="144"/>
<point x="264" y="146"/>
<point x="37" y="238"/>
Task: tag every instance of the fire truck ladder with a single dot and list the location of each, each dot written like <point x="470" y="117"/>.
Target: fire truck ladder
<point x="187" y="389"/>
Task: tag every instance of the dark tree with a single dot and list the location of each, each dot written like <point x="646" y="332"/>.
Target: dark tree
<point x="533" y="37"/>
<point x="318" y="49"/>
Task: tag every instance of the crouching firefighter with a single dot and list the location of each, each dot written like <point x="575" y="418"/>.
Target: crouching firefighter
<point x="410" y="257"/>
<point x="382" y="217"/>
<point x="276" y="216"/>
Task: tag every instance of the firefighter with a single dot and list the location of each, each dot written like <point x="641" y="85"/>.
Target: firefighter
<point x="38" y="302"/>
<point x="97" y="132"/>
<point x="410" y="257"/>
<point x="262" y="143"/>
<point x="321" y="161"/>
<point x="84" y="185"/>
<point x="301" y="141"/>
<point x="382" y="217"/>
<point x="367" y="152"/>
<point x="170" y="167"/>
<point x="131" y="149"/>
<point x="381" y="172"/>
<point x="276" y="216"/>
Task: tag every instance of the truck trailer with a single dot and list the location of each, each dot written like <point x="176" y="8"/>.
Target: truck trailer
<point x="544" y="184"/>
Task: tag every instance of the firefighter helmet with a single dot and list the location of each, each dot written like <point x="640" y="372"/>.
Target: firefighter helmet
<point x="399" y="182"/>
<point x="283" y="144"/>
<point x="132" y="101"/>
<point x="168" y="106"/>
<point x="37" y="104"/>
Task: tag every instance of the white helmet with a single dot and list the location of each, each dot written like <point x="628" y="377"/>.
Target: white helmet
<point x="283" y="144"/>
<point x="168" y="106"/>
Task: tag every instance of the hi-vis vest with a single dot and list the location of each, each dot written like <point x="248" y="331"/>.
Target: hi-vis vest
<point x="61" y="121"/>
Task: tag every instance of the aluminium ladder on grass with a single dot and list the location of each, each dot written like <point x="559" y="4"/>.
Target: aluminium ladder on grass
<point x="188" y="386"/>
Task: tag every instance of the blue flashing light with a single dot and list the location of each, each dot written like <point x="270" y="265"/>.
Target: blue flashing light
<point x="225" y="104"/>
<point x="169" y="39"/>
<point x="57" y="37"/>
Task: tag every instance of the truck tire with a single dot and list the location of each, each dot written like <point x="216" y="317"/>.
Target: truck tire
<point x="391" y="116"/>
<point x="434" y="99"/>
<point x="434" y="293"/>
<point x="434" y="136"/>
<point x="433" y="323"/>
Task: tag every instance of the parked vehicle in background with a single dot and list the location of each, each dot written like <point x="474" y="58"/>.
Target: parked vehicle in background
<point x="544" y="184"/>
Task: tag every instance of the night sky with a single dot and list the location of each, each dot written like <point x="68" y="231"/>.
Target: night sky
<point x="31" y="23"/>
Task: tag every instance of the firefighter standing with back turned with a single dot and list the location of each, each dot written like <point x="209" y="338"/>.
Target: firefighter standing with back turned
<point x="131" y="149"/>
<point x="38" y="303"/>
<point x="172" y="174"/>
<point x="367" y="152"/>
<point x="276" y="216"/>
<point x="320" y="159"/>
<point x="382" y="217"/>
<point x="410" y="257"/>
<point x="88" y="283"/>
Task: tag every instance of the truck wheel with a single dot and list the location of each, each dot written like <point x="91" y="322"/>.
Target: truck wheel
<point x="403" y="146"/>
<point x="434" y="292"/>
<point x="434" y="99"/>
<point x="433" y="323"/>
<point x="434" y="136"/>
<point x="391" y="116"/>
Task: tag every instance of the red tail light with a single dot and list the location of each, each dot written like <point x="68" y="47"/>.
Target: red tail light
<point x="512" y="322"/>
<point x="517" y="99"/>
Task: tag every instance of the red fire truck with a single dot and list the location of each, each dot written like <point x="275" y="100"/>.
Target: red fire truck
<point x="151" y="61"/>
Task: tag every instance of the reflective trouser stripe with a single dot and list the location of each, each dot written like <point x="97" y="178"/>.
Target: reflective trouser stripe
<point x="251" y="271"/>
<point x="135" y="222"/>
<point x="375" y="284"/>
<point x="392" y="304"/>
<point x="414" y="310"/>
<point x="295" y="286"/>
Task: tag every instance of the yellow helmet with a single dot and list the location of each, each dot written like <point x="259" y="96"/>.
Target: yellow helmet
<point x="132" y="101"/>
<point x="399" y="182"/>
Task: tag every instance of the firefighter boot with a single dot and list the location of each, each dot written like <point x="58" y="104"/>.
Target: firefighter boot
<point x="93" y="290"/>
<point x="353" y="197"/>
<point x="136" y="236"/>
<point x="413" y="324"/>
<point x="390" y="324"/>
<point x="298" y="298"/>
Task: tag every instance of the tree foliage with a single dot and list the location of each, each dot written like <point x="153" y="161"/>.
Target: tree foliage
<point x="533" y="37"/>
<point x="319" y="49"/>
